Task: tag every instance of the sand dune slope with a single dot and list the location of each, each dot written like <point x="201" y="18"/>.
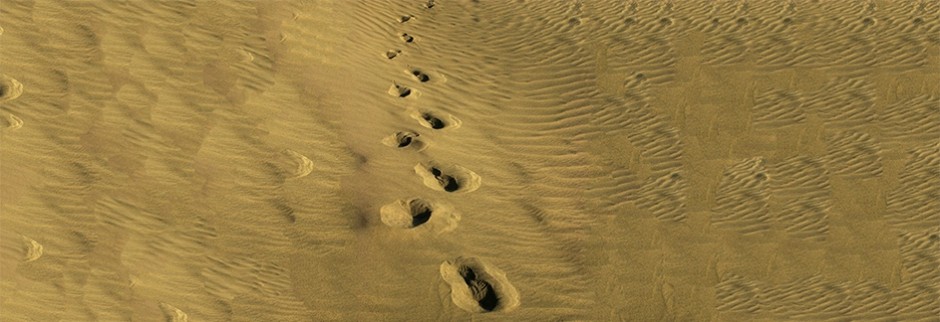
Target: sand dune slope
<point x="457" y="160"/>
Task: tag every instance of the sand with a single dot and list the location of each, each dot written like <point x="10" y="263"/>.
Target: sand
<point x="460" y="160"/>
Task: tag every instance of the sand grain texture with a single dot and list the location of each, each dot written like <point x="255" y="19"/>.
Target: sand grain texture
<point x="457" y="160"/>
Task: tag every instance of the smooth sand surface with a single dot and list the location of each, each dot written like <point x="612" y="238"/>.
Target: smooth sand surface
<point x="458" y="160"/>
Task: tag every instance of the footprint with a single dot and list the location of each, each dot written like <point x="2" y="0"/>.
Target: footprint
<point x="433" y="121"/>
<point x="419" y="214"/>
<point x="404" y="18"/>
<point x="172" y="314"/>
<point x="478" y="287"/>
<point x="304" y="165"/>
<point x="399" y="90"/>
<point x="449" y="183"/>
<point x="407" y="38"/>
<point x="430" y="4"/>
<point x="13" y="122"/>
<point x="33" y="249"/>
<point x="451" y="178"/>
<point x="420" y="76"/>
<point x="405" y="139"/>
<point x="392" y="53"/>
<point x="10" y="88"/>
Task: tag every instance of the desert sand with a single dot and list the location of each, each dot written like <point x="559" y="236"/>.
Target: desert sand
<point x="458" y="160"/>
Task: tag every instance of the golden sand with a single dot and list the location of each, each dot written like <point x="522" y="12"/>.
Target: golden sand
<point x="457" y="160"/>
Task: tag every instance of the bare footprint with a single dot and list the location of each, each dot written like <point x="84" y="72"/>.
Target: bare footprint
<point x="33" y="249"/>
<point x="420" y="76"/>
<point x="10" y="88"/>
<point x="12" y="122"/>
<point x="407" y="38"/>
<point x="478" y="287"/>
<point x="392" y="53"/>
<point x="405" y="139"/>
<point x="404" y="18"/>
<point x="436" y="121"/>
<point x="173" y="314"/>
<point x="419" y="214"/>
<point x="399" y="90"/>
<point x="433" y="121"/>
<point x="448" y="178"/>
<point x="304" y="165"/>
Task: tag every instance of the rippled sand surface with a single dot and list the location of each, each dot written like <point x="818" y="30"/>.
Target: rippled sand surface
<point x="460" y="160"/>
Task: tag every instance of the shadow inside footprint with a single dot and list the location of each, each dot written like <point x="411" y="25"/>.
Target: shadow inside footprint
<point x="435" y="122"/>
<point x="447" y="182"/>
<point x="404" y="19"/>
<point x="391" y="54"/>
<point x="482" y="290"/>
<point x="404" y="139"/>
<point x="407" y="38"/>
<point x="399" y="90"/>
<point x="421" y="76"/>
<point x="420" y="212"/>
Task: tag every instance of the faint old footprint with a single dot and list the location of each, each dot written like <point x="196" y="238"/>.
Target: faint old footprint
<point x="12" y="122"/>
<point x="304" y="165"/>
<point x="436" y="121"/>
<point x="478" y="287"/>
<point x="10" y="88"/>
<point x="33" y="249"/>
<point x="419" y="214"/>
<point x="405" y="139"/>
<point x="172" y="314"/>
<point x="448" y="178"/>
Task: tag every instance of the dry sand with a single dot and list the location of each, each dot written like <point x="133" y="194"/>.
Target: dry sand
<point x="513" y="160"/>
